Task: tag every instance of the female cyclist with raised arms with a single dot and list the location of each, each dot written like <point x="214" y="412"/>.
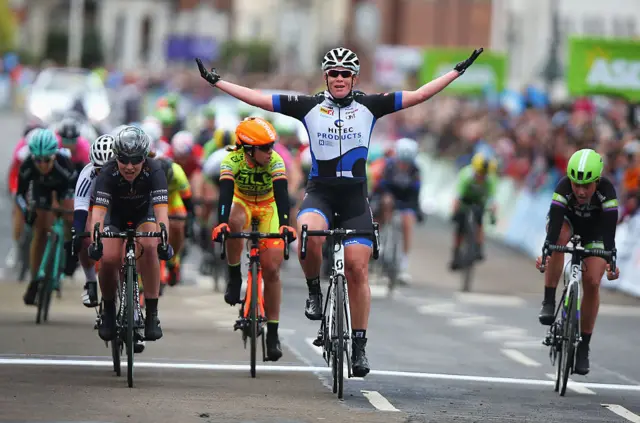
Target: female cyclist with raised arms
<point x="339" y="122"/>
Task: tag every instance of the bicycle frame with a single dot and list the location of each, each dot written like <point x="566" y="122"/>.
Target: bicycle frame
<point x="53" y="251"/>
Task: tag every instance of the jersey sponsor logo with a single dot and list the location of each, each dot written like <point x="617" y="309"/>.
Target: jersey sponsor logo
<point x="276" y="165"/>
<point x="343" y="134"/>
<point x="327" y="111"/>
<point x="158" y="199"/>
<point x="251" y="178"/>
<point x="292" y="98"/>
<point x="234" y="158"/>
<point x="339" y="123"/>
<point x="102" y="200"/>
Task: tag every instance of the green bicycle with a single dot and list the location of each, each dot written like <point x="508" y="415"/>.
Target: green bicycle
<point x="52" y="264"/>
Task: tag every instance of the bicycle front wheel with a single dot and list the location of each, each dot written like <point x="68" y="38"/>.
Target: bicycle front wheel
<point x="253" y="316"/>
<point x="339" y="349"/>
<point x="130" y="279"/>
<point x="569" y="341"/>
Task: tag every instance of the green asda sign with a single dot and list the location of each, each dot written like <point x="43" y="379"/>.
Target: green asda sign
<point x="488" y="71"/>
<point x="604" y="66"/>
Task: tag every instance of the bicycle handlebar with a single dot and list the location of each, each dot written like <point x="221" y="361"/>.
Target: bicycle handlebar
<point x="340" y="232"/>
<point x="254" y="235"/>
<point x="610" y="256"/>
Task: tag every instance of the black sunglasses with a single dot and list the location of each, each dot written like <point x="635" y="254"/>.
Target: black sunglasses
<point x="133" y="160"/>
<point x="343" y="73"/>
<point x="46" y="159"/>
<point x="266" y="147"/>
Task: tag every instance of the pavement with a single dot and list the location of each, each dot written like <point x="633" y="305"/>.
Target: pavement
<point x="437" y="355"/>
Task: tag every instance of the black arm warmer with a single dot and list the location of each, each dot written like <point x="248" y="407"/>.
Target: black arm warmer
<point x="281" y="194"/>
<point x="609" y="224"/>
<point x="556" y="218"/>
<point x="225" y="199"/>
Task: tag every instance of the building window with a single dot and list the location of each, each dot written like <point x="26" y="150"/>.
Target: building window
<point x="593" y="25"/>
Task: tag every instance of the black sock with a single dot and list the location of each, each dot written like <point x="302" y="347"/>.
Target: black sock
<point x="358" y="333"/>
<point x="314" y="285"/>
<point x="586" y="338"/>
<point x="151" y="304"/>
<point x="549" y="295"/>
<point x="235" y="271"/>
<point x="110" y="306"/>
<point x="272" y="328"/>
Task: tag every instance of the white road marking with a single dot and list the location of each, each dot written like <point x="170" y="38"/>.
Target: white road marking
<point x="505" y="332"/>
<point x="577" y="387"/>
<point x="470" y="320"/>
<point x="74" y="361"/>
<point x="379" y="291"/>
<point x="618" y="310"/>
<point x="519" y="357"/>
<point x="531" y="343"/>
<point x="440" y="309"/>
<point x="489" y="300"/>
<point x="378" y="401"/>
<point x="622" y="412"/>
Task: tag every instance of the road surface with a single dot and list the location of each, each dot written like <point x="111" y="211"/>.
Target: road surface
<point x="437" y="355"/>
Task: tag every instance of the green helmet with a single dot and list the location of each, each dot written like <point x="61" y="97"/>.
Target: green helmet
<point x="166" y="116"/>
<point x="585" y="166"/>
<point x="43" y="143"/>
<point x="209" y="112"/>
<point x="172" y="100"/>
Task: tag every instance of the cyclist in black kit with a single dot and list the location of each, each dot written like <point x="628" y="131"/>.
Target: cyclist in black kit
<point x="48" y="170"/>
<point x="584" y="203"/>
<point x="131" y="188"/>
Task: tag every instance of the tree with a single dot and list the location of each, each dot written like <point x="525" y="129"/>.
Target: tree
<point x="7" y="27"/>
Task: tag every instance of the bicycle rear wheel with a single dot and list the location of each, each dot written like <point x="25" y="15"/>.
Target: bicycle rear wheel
<point x="339" y="350"/>
<point x="569" y="340"/>
<point x="45" y="285"/>
<point x="130" y="279"/>
<point x="253" y="317"/>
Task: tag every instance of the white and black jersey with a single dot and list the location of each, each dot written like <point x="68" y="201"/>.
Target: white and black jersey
<point x="85" y="188"/>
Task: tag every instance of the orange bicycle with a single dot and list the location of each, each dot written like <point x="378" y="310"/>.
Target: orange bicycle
<point x="252" y="316"/>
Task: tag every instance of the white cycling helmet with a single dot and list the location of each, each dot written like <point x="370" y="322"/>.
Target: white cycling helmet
<point x="406" y="149"/>
<point x="101" y="150"/>
<point x="341" y="58"/>
<point x="182" y="143"/>
<point x="152" y="129"/>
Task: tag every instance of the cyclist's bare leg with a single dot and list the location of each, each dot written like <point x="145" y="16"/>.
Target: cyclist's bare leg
<point x="148" y="264"/>
<point x="552" y="277"/>
<point x="41" y="226"/>
<point x="110" y="264"/>
<point x="593" y="270"/>
<point x="556" y="261"/>
<point x="18" y="223"/>
<point x="408" y="222"/>
<point x="387" y="203"/>
<point x="312" y="262"/>
<point x="176" y="231"/>
<point x="356" y="270"/>
<point x="238" y="219"/>
<point x="270" y="261"/>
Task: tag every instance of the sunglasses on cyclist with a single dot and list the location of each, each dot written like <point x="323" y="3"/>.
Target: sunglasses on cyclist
<point x="46" y="159"/>
<point x="266" y="147"/>
<point x="133" y="160"/>
<point x="343" y="73"/>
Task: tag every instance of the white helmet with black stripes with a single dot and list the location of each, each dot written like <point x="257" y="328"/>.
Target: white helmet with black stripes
<point x="341" y="57"/>
<point x="101" y="150"/>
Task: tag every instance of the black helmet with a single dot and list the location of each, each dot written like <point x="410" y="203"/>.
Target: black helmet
<point x="69" y="129"/>
<point x="131" y="142"/>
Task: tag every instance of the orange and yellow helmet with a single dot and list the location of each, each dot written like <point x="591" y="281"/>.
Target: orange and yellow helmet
<point x="255" y="131"/>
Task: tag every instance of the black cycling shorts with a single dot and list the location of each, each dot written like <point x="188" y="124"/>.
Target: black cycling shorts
<point x="42" y="198"/>
<point x="589" y="230"/>
<point x="116" y="220"/>
<point x="349" y="201"/>
<point x="478" y="213"/>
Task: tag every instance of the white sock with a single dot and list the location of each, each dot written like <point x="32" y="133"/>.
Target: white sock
<point x="90" y="273"/>
<point x="404" y="263"/>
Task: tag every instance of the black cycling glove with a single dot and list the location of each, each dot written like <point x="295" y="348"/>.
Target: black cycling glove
<point x="462" y="66"/>
<point x="212" y="76"/>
